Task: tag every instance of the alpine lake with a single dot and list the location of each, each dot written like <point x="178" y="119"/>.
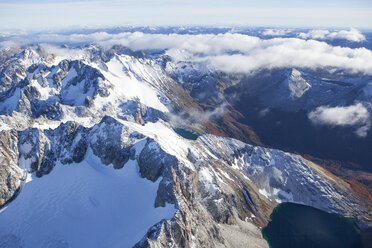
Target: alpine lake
<point x="186" y="133"/>
<point x="300" y="226"/>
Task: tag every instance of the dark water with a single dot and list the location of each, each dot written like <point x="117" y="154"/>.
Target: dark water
<point x="185" y="133"/>
<point x="294" y="225"/>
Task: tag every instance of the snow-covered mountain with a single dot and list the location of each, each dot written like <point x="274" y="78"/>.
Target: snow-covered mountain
<point x="89" y="155"/>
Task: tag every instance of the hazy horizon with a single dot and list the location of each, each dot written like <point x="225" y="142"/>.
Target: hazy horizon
<point x="40" y="14"/>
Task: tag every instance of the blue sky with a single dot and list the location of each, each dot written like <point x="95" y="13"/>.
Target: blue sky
<point x="42" y="14"/>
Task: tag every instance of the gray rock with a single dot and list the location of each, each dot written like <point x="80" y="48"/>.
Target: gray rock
<point x="107" y="144"/>
<point x="154" y="162"/>
<point x="10" y="173"/>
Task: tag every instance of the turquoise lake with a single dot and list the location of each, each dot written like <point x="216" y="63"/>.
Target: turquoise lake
<point x="185" y="133"/>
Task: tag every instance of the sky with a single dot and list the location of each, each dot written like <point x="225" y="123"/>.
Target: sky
<point x="42" y="14"/>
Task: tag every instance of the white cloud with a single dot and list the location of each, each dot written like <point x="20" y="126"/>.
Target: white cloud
<point x="64" y="52"/>
<point x="315" y="34"/>
<point x="197" y="115"/>
<point x="275" y="32"/>
<point x="263" y="112"/>
<point x="353" y="115"/>
<point x="350" y="35"/>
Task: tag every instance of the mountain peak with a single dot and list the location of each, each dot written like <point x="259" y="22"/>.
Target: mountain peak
<point x="297" y="84"/>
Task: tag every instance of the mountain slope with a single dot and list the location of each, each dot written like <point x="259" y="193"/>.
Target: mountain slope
<point x="80" y="126"/>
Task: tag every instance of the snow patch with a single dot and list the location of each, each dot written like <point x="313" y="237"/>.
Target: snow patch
<point x="128" y="86"/>
<point x="207" y="179"/>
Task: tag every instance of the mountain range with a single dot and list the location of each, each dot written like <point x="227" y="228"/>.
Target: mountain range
<point x="90" y="155"/>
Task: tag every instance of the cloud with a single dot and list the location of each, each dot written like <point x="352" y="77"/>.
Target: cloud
<point x="228" y="52"/>
<point x="353" y="115"/>
<point x="263" y="112"/>
<point x="193" y="115"/>
<point x="275" y="32"/>
<point x="65" y="52"/>
<point x="292" y="52"/>
<point x="353" y="35"/>
<point x="209" y="115"/>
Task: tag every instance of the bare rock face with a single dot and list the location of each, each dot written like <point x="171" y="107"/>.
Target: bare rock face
<point x="68" y="142"/>
<point x="139" y="112"/>
<point x="108" y="142"/>
<point x="153" y="163"/>
<point x="43" y="149"/>
<point x="10" y="173"/>
<point x="33" y="144"/>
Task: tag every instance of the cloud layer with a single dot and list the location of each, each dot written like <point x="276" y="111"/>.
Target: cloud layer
<point x="353" y="35"/>
<point x="228" y="52"/>
<point x="353" y="115"/>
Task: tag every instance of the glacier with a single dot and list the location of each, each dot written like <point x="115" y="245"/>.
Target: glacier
<point x="84" y="204"/>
